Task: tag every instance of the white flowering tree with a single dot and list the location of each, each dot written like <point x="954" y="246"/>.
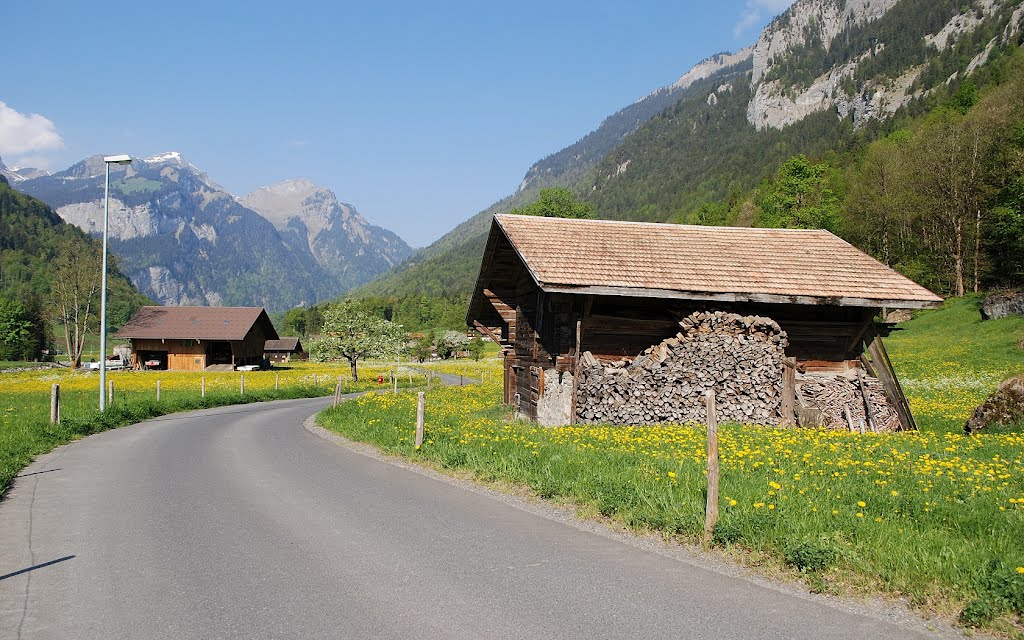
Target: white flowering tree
<point x="450" y="343"/>
<point x="352" y="334"/>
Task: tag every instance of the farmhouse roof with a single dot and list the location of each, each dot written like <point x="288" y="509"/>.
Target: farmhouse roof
<point x="196" y="323"/>
<point x="289" y="345"/>
<point x="605" y="257"/>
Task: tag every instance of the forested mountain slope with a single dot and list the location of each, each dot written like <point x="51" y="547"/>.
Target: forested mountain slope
<point x="824" y="79"/>
<point x="34" y="244"/>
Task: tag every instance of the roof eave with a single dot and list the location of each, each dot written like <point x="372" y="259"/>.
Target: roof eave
<point x="769" y="298"/>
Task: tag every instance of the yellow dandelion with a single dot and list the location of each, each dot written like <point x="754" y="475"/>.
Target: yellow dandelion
<point x="861" y="504"/>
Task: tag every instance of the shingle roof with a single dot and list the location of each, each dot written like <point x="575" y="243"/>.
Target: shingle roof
<point x="719" y="263"/>
<point x="284" y="344"/>
<point x="194" y="323"/>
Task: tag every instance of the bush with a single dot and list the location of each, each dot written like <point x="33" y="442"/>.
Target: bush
<point x="810" y="555"/>
<point x="980" y="612"/>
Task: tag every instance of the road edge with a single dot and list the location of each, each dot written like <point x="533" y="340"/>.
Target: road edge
<point x="892" y="612"/>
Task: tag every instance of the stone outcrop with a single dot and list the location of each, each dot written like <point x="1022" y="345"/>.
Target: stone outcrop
<point x="1001" y="305"/>
<point x="1004" y="407"/>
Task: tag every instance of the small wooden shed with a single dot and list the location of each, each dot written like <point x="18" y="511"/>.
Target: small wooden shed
<point x="284" y="350"/>
<point x="194" y="338"/>
<point x="552" y="290"/>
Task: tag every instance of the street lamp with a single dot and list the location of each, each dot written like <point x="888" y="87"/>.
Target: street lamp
<point x="107" y="161"/>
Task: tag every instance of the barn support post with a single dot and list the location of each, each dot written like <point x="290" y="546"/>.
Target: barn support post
<point x="711" y="508"/>
<point x="789" y="391"/>
<point x="587" y="305"/>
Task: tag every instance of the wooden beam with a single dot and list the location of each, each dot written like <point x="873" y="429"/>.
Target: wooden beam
<point x="883" y="370"/>
<point x="487" y="332"/>
<point x="768" y="298"/>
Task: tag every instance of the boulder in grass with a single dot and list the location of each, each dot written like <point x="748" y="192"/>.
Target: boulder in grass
<point x="1003" y="304"/>
<point x="1002" y="408"/>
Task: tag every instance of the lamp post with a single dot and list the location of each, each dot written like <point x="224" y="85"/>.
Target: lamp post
<point x="107" y="161"/>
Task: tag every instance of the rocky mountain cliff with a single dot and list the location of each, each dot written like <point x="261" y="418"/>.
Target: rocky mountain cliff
<point x="338" y="236"/>
<point x="866" y="59"/>
<point x="182" y="239"/>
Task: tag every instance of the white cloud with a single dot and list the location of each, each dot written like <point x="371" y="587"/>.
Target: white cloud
<point x="28" y="135"/>
<point x="752" y="14"/>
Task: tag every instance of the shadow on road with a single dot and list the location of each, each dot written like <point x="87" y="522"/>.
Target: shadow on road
<point x="38" y="566"/>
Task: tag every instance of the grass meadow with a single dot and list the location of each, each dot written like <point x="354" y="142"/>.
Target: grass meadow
<point x="936" y="517"/>
<point x="25" y="429"/>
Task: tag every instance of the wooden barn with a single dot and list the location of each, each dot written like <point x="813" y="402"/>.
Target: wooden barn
<point x="634" y="322"/>
<point x="194" y="338"/>
<point x="284" y="350"/>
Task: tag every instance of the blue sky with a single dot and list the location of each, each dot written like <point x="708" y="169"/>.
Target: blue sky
<point x="418" y="114"/>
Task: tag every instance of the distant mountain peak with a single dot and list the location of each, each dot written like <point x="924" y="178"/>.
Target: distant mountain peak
<point x="282" y="201"/>
<point x="710" y="66"/>
<point x="17" y="174"/>
<point x="168" y="157"/>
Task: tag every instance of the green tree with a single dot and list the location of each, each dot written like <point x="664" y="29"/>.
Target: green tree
<point x="352" y="333"/>
<point x="557" y="202"/>
<point x="879" y="196"/>
<point x="18" y="333"/>
<point x="951" y="155"/>
<point x="76" y="293"/>
<point x="476" y="348"/>
<point x="423" y="348"/>
<point x="294" y="322"/>
<point x="803" y="195"/>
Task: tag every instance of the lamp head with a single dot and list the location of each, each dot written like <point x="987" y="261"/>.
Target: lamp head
<point x="121" y="159"/>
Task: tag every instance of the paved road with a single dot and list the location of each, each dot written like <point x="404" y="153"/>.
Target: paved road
<point x="239" y="523"/>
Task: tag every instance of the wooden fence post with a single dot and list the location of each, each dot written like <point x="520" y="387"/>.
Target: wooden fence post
<point x="421" y="402"/>
<point x="110" y="392"/>
<point x="461" y="380"/>
<point x="394" y="378"/>
<point x="55" y="404"/>
<point x="277" y="380"/>
<point x="158" y="391"/>
<point x="314" y="379"/>
<point x="337" y="392"/>
<point x="241" y="385"/>
<point x="711" y="510"/>
<point x="202" y="387"/>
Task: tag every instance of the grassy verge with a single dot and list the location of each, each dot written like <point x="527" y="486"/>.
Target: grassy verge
<point x="25" y="429"/>
<point x="950" y="360"/>
<point x="937" y="518"/>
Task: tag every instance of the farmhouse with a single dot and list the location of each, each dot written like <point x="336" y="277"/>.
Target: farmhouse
<point x="284" y="350"/>
<point x="623" y="322"/>
<point x="194" y="338"/>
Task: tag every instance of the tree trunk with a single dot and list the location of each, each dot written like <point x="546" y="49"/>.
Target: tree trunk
<point x="958" y="229"/>
<point x="355" y="374"/>
<point x="977" y="250"/>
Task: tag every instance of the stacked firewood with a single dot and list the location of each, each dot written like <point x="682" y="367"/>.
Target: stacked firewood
<point x="739" y="357"/>
<point x="840" y="398"/>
